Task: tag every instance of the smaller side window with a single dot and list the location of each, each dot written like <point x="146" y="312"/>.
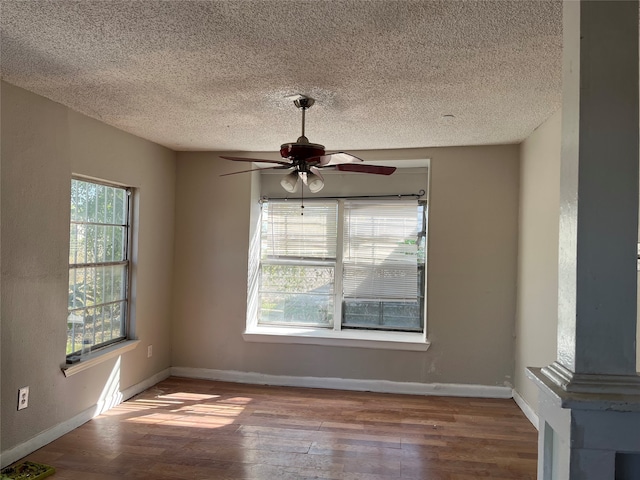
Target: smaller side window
<point x="98" y="265"/>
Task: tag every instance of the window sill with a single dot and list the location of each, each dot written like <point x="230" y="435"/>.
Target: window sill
<point x="99" y="356"/>
<point x="345" y="338"/>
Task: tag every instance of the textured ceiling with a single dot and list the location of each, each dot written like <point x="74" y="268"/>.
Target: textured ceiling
<point x="215" y="75"/>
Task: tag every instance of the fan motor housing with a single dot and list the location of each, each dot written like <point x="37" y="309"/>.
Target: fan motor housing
<point x="301" y="151"/>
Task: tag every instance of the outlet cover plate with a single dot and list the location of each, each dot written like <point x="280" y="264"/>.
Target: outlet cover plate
<point x="23" y="398"/>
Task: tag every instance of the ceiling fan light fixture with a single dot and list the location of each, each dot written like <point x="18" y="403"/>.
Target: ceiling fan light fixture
<point x="290" y="182"/>
<point x="314" y="182"/>
<point x="308" y="159"/>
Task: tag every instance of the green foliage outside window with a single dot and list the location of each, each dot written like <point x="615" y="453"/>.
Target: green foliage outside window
<point x="98" y="264"/>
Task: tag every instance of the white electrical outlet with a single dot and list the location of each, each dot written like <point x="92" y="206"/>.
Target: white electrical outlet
<point x="149" y="351"/>
<point x="23" y="398"/>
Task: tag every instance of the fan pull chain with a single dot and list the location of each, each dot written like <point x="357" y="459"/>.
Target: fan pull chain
<point x="302" y="199"/>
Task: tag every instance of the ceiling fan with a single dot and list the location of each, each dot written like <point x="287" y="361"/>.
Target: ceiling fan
<point x="307" y="159"/>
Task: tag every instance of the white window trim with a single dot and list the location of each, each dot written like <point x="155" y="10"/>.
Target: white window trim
<point x="99" y="356"/>
<point x="377" y="339"/>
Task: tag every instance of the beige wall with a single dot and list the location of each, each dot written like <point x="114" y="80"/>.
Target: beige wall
<point x="43" y="143"/>
<point x="537" y="316"/>
<point x="190" y="297"/>
<point x="471" y="272"/>
<point x="473" y="227"/>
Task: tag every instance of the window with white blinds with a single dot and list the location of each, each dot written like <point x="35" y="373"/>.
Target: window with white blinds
<point x="290" y="231"/>
<point x="297" y="284"/>
<point x="380" y="250"/>
<point x="360" y="262"/>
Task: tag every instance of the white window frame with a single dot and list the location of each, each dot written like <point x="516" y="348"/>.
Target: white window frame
<point x="335" y="336"/>
<point x="106" y="350"/>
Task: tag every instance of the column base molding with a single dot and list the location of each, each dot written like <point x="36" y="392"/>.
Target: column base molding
<point x="581" y="434"/>
<point x="592" y="383"/>
<point x="589" y="396"/>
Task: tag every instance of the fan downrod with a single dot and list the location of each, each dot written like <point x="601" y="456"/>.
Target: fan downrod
<point x="301" y="150"/>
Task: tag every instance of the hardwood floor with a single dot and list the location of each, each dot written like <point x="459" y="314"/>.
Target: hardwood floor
<point x="197" y="429"/>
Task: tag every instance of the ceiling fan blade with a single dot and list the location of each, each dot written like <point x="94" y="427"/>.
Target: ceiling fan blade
<point x="255" y="160"/>
<point x="360" y="168"/>
<point x="337" y="159"/>
<point x="255" y="170"/>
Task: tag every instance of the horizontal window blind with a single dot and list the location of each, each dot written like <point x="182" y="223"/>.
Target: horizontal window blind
<point x="298" y="263"/>
<point x="286" y="234"/>
<point x="380" y="253"/>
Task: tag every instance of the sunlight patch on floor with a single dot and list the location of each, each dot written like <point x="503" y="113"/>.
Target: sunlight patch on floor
<point x="187" y="396"/>
<point x="217" y="410"/>
<point x="184" y="409"/>
<point x="159" y="403"/>
<point x="124" y="409"/>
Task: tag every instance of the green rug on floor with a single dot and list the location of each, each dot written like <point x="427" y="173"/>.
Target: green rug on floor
<point x="27" y="471"/>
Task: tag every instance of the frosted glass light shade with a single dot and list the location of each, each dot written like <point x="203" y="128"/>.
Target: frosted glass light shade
<point x="290" y="182"/>
<point x="314" y="182"/>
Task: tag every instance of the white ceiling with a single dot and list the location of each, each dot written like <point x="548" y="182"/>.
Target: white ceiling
<point x="215" y="75"/>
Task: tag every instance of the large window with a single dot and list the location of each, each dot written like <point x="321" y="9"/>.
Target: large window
<point x="343" y="264"/>
<point x="98" y="265"/>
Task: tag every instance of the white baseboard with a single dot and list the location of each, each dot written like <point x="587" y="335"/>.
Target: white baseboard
<point x="379" y="386"/>
<point x="22" y="450"/>
<point x="145" y="384"/>
<point x="526" y="409"/>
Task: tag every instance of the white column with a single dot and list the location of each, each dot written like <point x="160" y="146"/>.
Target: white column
<point x="589" y="403"/>
<point x="598" y="197"/>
